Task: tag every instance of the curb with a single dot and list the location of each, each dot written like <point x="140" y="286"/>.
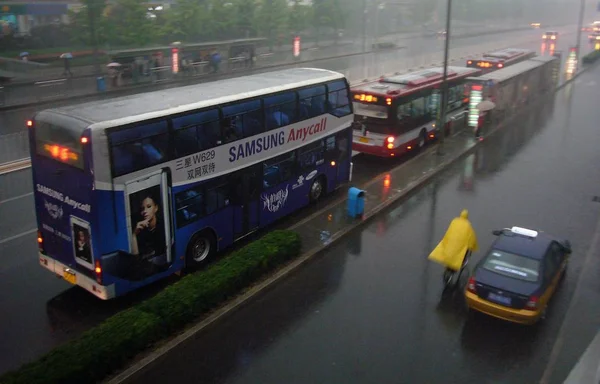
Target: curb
<point x="15" y="165"/>
<point x="269" y="282"/>
<point x="183" y="82"/>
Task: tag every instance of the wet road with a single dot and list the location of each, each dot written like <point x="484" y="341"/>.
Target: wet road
<point x="419" y="51"/>
<point x="370" y="309"/>
<point x="42" y="311"/>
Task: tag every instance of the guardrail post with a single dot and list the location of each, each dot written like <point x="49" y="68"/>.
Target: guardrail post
<point x="2" y="96"/>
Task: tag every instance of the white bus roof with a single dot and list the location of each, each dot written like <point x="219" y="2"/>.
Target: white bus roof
<point x="130" y="109"/>
<point x="509" y="72"/>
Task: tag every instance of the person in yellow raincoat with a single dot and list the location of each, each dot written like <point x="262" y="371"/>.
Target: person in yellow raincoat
<point x="459" y="240"/>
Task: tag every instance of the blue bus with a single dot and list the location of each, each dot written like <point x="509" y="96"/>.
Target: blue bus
<point x="133" y="189"/>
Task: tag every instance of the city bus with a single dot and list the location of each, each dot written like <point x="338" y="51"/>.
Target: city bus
<point x="133" y="189"/>
<point x="492" y="61"/>
<point x="397" y="114"/>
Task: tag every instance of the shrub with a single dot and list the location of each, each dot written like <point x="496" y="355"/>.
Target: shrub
<point x="591" y="57"/>
<point x="107" y="347"/>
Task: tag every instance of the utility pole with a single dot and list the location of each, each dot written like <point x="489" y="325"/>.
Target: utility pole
<point x="364" y="23"/>
<point x="579" y="27"/>
<point x="442" y="122"/>
<point x="91" y="9"/>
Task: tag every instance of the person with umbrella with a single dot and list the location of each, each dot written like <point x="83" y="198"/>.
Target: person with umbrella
<point x="114" y="71"/>
<point x="67" y="59"/>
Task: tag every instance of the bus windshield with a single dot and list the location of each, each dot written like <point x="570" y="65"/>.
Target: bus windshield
<point x="378" y="112"/>
<point x="58" y="143"/>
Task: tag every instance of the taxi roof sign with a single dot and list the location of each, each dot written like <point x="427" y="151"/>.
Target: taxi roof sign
<point x="524" y="232"/>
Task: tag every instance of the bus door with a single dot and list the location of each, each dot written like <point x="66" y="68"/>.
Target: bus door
<point x="344" y="150"/>
<point x="149" y="223"/>
<point x="247" y="195"/>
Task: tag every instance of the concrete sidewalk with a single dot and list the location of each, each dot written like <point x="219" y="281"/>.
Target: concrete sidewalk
<point x="587" y="369"/>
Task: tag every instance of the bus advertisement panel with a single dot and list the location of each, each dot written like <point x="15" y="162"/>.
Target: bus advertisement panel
<point x="163" y="183"/>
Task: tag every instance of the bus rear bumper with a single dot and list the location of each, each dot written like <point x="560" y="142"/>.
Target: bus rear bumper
<point x="75" y="277"/>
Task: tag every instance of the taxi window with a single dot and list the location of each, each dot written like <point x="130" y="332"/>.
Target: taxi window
<point x="512" y="265"/>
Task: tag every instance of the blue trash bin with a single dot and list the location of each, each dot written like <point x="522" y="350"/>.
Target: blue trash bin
<point x="356" y="202"/>
<point x="100" y="84"/>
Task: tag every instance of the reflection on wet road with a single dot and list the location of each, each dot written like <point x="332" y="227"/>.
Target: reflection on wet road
<point x="41" y="311"/>
<point x="370" y="308"/>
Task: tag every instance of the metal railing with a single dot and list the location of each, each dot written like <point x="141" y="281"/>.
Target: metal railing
<point x="51" y="89"/>
<point x="15" y="147"/>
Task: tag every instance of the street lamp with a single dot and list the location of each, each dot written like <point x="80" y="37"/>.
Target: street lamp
<point x="442" y="121"/>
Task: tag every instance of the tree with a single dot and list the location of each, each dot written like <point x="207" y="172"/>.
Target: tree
<point x="131" y="23"/>
<point x="220" y="22"/>
<point x="298" y="17"/>
<point x="273" y="18"/>
<point x="186" y="20"/>
<point x="245" y="17"/>
<point x="88" y="20"/>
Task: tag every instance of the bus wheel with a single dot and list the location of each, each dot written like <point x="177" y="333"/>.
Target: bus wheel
<point x="422" y="139"/>
<point x="317" y="189"/>
<point x="201" y="248"/>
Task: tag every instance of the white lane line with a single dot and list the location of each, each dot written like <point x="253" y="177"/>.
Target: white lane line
<point x="11" y="238"/>
<point x="15" y="198"/>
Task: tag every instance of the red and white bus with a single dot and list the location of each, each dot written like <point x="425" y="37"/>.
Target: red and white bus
<point x="397" y="114"/>
<point x="492" y="61"/>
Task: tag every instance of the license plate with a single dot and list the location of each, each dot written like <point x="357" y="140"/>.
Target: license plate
<point x="70" y="277"/>
<point x="499" y="299"/>
<point x="363" y="140"/>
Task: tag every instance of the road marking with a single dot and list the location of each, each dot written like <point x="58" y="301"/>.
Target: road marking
<point x="11" y="238"/>
<point x="15" y="198"/>
<point x="592" y="251"/>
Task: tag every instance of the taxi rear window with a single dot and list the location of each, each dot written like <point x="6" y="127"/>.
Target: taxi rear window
<point x="512" y="265"/>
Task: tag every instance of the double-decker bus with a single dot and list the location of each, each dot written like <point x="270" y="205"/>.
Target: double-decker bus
<point x="397" y="114"/>
<point x="492" y="61"/>
<point x="132" y="189"/>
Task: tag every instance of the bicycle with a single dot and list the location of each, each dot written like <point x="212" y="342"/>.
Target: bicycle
<point x="450" y="275"/>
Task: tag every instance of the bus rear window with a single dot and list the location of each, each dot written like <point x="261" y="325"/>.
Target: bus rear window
<point x="58" y="143"/>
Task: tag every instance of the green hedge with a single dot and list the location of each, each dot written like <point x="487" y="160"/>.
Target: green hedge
<point x="109" y="346"/>
<point x="591" y="57"/>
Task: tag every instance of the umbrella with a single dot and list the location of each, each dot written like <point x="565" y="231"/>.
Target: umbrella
<point x="113" y="64"/>
<point x="67" y="55"/>
<point x="24" y="54"/>
<point x="486" y="105"/>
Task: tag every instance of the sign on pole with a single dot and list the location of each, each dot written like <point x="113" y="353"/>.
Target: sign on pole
<point x="175" y="60"/>
<point x="296" y="46"/>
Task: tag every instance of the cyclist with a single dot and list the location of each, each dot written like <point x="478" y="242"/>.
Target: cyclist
<point x="456" y="245"/>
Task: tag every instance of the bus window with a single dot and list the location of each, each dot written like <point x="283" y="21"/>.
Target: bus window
<point x="312" y="101"/>
<point x="278" y="170"/>
<point x="139" y="147"/>
<point x="280" y="110"/>
<point x="330" y="143"/>
<point x="311" y="155"/>
<point x="244" y="118"/>
<point x="217" y="196"/>
<point x="417" y="108"/>
<point x="339" y="103"/>
<point x="189" y="206"/>
<point x="403" y="111"/>
<point x="196" y="132"/>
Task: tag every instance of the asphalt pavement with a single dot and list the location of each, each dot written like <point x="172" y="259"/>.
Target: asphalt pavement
<point x="41" y="311"/>
<point x="370" y="309"/>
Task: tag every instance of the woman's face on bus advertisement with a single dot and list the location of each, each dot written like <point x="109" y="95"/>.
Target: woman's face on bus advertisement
<point x="149" y="209"/>
<point x="81" y="236"/>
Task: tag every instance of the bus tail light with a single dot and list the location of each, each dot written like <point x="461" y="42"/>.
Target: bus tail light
<point x="500" y="65"/>
<point x="390" y="142"/>
<point x="388" y="101"/>
<point x="469" y="62"/>
<point x="98" y="272"/>
<point x="533" y="302"/>
<point x="332" y="163"/>
<point x="84" y="140"/>
<point x="471" y="285"/>
<point x="432" y="135"/>
<point x="409" y="147"/>
<point x="29" y="123"/>
<point x="40" y="241"/>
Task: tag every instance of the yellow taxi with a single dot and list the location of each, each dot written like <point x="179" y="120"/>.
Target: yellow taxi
<point x="518" y="276"/>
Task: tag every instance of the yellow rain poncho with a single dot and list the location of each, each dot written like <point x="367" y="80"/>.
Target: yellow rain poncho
<point x="459" y="238"/>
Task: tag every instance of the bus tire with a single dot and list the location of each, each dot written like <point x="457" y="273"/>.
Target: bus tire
<point x="317" y="189"/>
<point x="201" y="248"/>
<point x="422" y="139"/>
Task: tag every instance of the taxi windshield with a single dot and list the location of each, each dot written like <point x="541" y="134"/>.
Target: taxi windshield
<point x="512" y="265"/>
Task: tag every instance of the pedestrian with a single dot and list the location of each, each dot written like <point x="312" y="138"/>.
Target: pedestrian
<point x="67" y="64"/>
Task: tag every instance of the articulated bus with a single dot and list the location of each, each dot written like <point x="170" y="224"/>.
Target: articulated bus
<point x="133" y="189"/>
<point x="397" y="114"/>
<point x="492" y="61"/>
